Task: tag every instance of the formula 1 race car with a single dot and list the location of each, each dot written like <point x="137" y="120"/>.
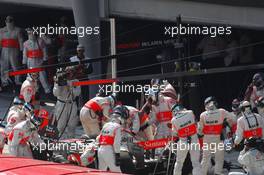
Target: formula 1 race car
<point x="136" y="156"/>
<point x="26" y="166"/>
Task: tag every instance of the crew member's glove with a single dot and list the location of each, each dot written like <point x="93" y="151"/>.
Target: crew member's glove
<point x="229" y="135"/>
<point x="133" y="133"/>
<point x="147" y="109"/>
<point x="142" y="128"/>
<point x="225" y="124"/>
<point x="222" y="137"/>
<point x="255" y="110"/>
<point x="149" y="100"/>
<point x="20" y="54"/>
<point x="62" y="81"/>
<point x="117" y="159"/>
<point x="5" y="140"/>
<point x="238" y="147"/>
<point x="52" y="132"/>
<point x="37" y="96"/>
<point x="169" y="125"/>
<point x="200" y="136"/>
<point x="246" y="148"/>
<point x="24" y="66"/>
<point x="89" y="69"/>
<point x="74" y="158"/>
<point x="1" y="124"/>
<point x="248" y="92"/>
<point x="45" y="63"/>
<point x="176" y="140"/>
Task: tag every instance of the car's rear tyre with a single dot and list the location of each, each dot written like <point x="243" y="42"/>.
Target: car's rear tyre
<point x="127" y="165"/>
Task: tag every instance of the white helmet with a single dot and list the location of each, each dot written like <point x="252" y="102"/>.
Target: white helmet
<point x="245" y="106"/>
<point x="112" y="99"/>
<point x="28" y="109"/>
<point x="116" y="118"/>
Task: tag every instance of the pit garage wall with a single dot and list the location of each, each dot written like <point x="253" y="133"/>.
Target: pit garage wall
<point x="133" y="34"/>
<point x="246" y="15"/>
<point x="58" y="4"/>
<point x="165" y="10"/>
<point x="191" y="11"/>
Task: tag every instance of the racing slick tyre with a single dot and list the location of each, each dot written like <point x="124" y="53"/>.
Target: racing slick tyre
<point x="39" y="154"/>
<point x="126" y="164"/>
<point x="187" y="166"/>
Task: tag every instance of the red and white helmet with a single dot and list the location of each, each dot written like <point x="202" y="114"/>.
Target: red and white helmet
<point x="40" y="119"/>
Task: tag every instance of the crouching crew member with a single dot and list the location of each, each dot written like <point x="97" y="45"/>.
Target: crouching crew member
<point x="109" y="144"/>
